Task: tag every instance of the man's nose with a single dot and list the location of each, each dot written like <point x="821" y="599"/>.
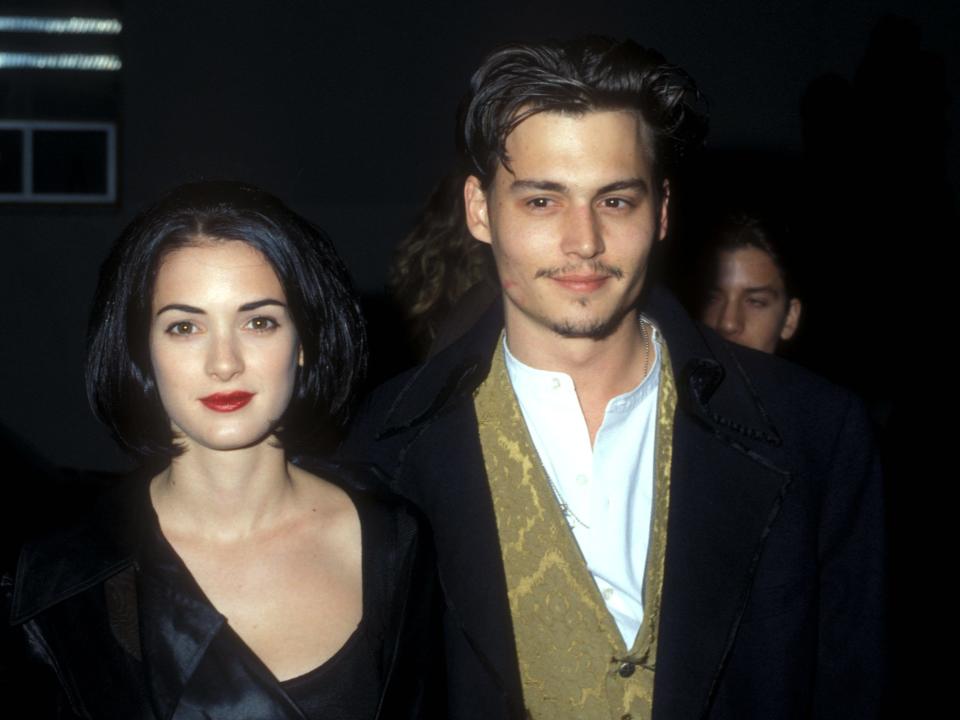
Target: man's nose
<point x="731" y="319"/>
<point x="583" y="235"/>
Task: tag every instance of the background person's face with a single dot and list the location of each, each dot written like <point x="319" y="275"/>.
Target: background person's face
<point x="748" y="302"/>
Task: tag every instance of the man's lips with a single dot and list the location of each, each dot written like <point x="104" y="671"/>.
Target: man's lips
<point x="581" y="283"/>
<point x="227" y="402"/>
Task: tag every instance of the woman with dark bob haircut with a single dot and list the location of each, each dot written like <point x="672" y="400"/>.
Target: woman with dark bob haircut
<point x="234" y="578"/>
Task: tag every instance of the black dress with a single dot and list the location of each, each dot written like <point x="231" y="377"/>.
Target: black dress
<point x="106" y="622"/>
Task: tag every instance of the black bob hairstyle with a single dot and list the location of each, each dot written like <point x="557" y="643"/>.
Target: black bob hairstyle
<point x="585" y="74"/>
<point x="119" y="378"/>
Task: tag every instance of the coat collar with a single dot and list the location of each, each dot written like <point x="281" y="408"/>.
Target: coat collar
<point x="728" y="482"/>
<point x="712" y="385"/>
<point x="182" y="638"/>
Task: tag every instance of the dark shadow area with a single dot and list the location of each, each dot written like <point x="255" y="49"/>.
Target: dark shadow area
<point x="871" y="221"/>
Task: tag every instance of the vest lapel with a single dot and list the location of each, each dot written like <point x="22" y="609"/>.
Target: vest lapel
<point x="450" y="485"/>
<point x="470" y="567"/>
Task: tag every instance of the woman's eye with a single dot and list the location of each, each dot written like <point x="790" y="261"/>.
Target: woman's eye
<point x="182" y="327"/>
<point x="262" y="324"/>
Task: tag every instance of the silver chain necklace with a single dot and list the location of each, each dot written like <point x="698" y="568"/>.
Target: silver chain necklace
<point x="571" y="518"/>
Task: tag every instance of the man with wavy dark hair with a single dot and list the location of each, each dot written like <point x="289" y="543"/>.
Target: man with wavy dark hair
<point x="633" y="517"/>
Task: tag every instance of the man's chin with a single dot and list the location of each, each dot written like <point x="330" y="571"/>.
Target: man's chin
<point x="589" y="329"/>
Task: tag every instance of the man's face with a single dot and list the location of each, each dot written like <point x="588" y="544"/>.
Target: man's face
<point x="571" y="223"/>
<point x="748" y="302"/>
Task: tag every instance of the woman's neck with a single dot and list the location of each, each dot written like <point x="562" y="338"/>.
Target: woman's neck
<point x="224" y="495"/>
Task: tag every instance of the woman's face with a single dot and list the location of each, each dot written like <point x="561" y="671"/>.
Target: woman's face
<point x="223" y="346"/>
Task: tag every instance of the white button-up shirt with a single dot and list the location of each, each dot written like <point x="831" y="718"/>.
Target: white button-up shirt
<point x="606" y="491"/>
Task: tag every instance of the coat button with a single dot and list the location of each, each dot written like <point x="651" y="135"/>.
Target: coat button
<point x="626" y="669"/>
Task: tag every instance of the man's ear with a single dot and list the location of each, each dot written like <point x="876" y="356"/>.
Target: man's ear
<point x="478" y="213"/>
<point x="664" y="209"/>
<point x="300" y="356"/>
<point x="792" y="320"/>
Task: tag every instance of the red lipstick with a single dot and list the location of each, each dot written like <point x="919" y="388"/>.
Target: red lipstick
<point x="227" y="402"/>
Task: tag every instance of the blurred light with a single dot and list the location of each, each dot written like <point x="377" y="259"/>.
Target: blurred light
<point x="73" y="25"/>
<point x="46" y="61"/>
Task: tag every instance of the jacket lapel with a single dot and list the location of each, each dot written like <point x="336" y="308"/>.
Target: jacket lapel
<point x="194" y="665"/>
<point x="453" y="492"/>
<point x="727" y="486"/>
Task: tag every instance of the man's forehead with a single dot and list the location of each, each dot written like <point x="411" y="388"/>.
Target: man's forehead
<point x="526" y="114"/>
<point x="571" y="138"/>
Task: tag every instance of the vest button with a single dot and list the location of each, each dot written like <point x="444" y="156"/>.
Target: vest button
<point x="626" y="669"/>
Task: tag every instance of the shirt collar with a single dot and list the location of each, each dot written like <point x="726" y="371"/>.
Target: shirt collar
<point x="543" y="384"/>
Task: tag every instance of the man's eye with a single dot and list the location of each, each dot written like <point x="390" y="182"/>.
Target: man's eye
<point x="617" y="203"/>
<point x="540" y="203"/>
<point x="757" y="303"/>
<point x="182" y="327"/>
<point x="262" y="324"/>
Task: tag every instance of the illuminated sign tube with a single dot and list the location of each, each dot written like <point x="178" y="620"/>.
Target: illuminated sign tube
<point x="59" y="61"/>
<point x="71" y="25"/>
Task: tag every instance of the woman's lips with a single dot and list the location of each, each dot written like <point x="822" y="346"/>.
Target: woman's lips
<point x="227" y="402"/>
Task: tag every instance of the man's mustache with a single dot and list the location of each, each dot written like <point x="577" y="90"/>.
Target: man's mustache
<point x="594" y="267"/>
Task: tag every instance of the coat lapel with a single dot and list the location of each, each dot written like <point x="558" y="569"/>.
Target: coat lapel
<point x="194" y="665"/>
<point x="727" y="488"/>
<point x="453" y="492"/>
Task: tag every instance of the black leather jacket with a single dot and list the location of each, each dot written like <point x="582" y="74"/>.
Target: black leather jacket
<point x="106" y="622"/>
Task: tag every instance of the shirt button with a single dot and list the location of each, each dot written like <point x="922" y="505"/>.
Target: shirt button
<point x="606" y="503"/>
<point x="626" y="669"/>
<point x="556" y="383"/>
<point x="582" y="479"/>
<point x="628" y="716"/>
<point x="608" y="593"/>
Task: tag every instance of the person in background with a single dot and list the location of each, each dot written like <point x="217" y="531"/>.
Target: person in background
<point x="751" y="299"/>
<point x="440" y="276"/>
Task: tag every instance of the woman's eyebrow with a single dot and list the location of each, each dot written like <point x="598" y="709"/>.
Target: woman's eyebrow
<point x="181" y="308"/>
<point x="246" y="307"/>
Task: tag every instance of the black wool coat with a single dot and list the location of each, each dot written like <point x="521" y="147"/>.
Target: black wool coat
<point x="772" y="600"/>
<point x="105" y="621"/>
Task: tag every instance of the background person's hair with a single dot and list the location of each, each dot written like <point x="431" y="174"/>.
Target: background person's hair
<point x="438" y="262"/>
<point x="581" y="75"/>
<point x="320" y="299"/>
<point x="739" y="230"/>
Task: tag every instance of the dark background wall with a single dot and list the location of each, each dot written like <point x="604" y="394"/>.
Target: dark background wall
<point x="345" y="110"/>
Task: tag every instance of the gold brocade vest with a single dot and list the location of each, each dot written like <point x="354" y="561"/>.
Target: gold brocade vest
<point x="572" y="658"/>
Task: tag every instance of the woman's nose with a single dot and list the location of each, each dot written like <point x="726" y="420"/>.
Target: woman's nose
<point x="224" y="360"/>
